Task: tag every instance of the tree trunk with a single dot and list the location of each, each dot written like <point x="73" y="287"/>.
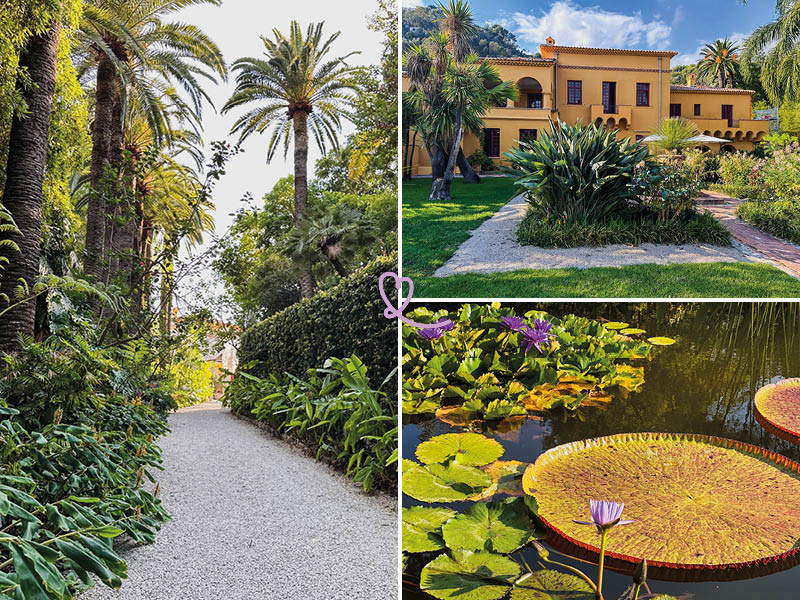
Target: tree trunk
<point x="470" y="176"/>
<point x="27" y="157"/>
<point x="438" y="162"/>
<point x="105" y="93"/>
<point x="115" y="211"/>
<point x="337" y="264"/>
<point x="440" y="190"/>
<point x="411" y="157"/>
<point x="721" y="78"/>
<point x="300" y="121"/>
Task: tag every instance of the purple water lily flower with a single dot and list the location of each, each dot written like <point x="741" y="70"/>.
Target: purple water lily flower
<point x="533" y="337"/>
<point x="542" y="325"/>
<point x="445" y="324"/>
<point x="512" y="323"/>
<point x="605" y="514"/>
<point x="430" y="333"/>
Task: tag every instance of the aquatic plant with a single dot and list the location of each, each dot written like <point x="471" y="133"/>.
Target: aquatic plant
<point x="777" y="409"/>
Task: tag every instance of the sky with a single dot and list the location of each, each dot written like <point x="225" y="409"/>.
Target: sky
<point x="236" y="27"/>
<point x="680" y="25"/>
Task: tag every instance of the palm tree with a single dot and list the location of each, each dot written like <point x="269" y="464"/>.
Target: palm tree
<point x="674" y="133"/>
<point x="22" y="196"/>
<point x="778" y="42"/>
<point x="295" y="88"/>
<point x="719" y="63"/>
<point x="136" y="56"/>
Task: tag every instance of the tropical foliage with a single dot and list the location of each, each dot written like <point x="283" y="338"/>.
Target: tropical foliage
<point x="673" y="134"/>
<point x="719" y="63"/>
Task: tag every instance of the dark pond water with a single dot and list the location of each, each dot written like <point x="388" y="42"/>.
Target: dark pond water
<point x="705" y="383"/>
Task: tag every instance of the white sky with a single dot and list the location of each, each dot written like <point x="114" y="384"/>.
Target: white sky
<point x="236" y="27"/>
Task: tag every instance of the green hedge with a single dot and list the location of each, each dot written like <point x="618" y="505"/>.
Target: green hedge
<point x="778" y="217"/>
<point x="347" y="319"/>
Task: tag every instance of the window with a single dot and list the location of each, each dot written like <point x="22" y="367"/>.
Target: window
<point x="528" y="135"/>
<point x="491" y="142"/>
<point x="642" y="94"/>
<point x="696" y="110"/>
<point x="727" y="113"/>
<point x="639" y="138"/>
<point x="574" y="92"/>
<point x="674" y="110"/>
<point x="535" y="100"/>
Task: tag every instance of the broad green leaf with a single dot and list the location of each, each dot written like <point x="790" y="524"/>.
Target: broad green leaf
<point x="469" y="576"/>
<point x="465" y="448"/>
<point x="501" y="526"/>
<point x="661" y="341"/>
<point x="552" y="585"/>
<point x="615" y="325"/>
<point x="422" y="528"/>
<point x="29" y="582"/>
<point x="420" y="407"/>
<point x="89" y="562"/>
<point x="440" y="483"/>
<point x="632" y="331"/>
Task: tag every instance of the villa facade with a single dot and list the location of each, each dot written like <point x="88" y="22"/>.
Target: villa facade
<point x="627" y="90"/>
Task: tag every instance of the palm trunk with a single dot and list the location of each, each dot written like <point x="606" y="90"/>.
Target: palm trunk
<point x="115" y="211"/>
<point x="300" y="121"/>
<point x="440" y="190"/>
<point x="101" y="141"/>
<point x="337" y="264"/>
<point x="721" y="78"/>
<point x="470" y="176"/>
<point x="27" y="157"/>
<point x="411" y="157"/>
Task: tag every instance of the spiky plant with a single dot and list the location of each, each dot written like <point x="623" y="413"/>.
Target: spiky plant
<point x="674" y="134"/>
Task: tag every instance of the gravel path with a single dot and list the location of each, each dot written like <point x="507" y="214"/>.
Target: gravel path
<point x="253" y="519"/>
<point x="493" y="247"/>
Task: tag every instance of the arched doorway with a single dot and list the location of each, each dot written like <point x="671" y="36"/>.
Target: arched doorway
<point x="727" y="148"/>
<point x="530" y="93"/>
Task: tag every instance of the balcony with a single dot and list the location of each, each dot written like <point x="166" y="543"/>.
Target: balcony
<point x="612" y="115"/>
<point x="739" y="130"/>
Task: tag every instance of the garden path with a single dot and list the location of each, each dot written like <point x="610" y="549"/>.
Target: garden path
<point x="252" y="518"/>
<point x="784" y="255"/>
<point x="493" y="247"/>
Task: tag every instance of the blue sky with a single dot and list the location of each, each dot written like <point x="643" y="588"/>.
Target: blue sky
<point x="681" y="25"/>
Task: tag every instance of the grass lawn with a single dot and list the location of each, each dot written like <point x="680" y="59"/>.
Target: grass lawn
<point x="433" y="231"/>
<point x="704" y="280"/>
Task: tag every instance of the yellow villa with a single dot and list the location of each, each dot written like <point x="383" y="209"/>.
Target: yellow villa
<point x="627" y="90"/>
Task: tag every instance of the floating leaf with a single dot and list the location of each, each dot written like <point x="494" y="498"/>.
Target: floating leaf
<point x="458" y="416"/>
<point x="422" y="528"/>
<point x="501" y="409"/>
<point x="501" y="526"/>
<point x="738" y="501"/>
<point x="661" y="341"/>
<point x="465" y="448"/>
<point x="420" y="406"/>
<point x="469" y="576"/>
<point x="553" y="585"/>
<point x="777" y="408"/>
<point x="615" y="325"/>
<point x="443" y="483"/>
<point x="506" y="479"/>
<point x="632" y="331"/>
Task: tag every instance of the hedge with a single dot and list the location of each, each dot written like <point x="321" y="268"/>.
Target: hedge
<point x="347" y="319"/>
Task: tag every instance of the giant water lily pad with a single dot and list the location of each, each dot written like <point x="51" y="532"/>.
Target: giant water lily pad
<point x="464" y="448"/>
<point x="501" y="526"/>
<point x="778" y="409"/>
<point x="553" y="585"/>
<point x="469" y="576"/>
<point x="422" y="528"/>
<point x="443" y="483"/>
<point x="705" y="508"/>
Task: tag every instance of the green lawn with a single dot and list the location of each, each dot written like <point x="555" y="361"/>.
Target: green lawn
<point x="705" y="280"/>
<point x="433" y="231"/>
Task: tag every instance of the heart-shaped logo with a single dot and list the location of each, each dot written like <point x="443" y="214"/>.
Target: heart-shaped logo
<point x="393" y="312"/>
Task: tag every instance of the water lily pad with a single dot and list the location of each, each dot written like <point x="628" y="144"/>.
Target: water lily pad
<point x="443" y="483"/>
<point x="422" y="528"/>
<point x="777" y="408"/>
<point x="420" y="406"/>
<point x="506" y="479"/>
<point x="705" y="508"/>
<point x="501" y="526"/>
<point x="615" y="325"/>
<point x="469" y="576"/>
<point x="464" y="448"/>
<point x="553" y="585"/>
<point x="661" y="341"/>
<point x="632" y="331"/>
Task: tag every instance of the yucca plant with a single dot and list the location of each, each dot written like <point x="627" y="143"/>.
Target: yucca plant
<point x="580" y="173"/>
<point x="673" y="134"/>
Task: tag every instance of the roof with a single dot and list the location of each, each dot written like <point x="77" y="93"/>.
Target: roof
<point x="706" y="89"/>
<point x="519" y="60"/>
<point x="625" y="51"/>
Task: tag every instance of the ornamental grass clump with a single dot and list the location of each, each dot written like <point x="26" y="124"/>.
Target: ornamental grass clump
<point x="579" y="173"/>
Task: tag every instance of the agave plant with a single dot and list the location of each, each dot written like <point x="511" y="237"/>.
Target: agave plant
<point x="581" y="173"/>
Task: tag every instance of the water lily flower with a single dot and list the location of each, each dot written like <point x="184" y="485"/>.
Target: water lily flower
<point x="512" y="323"/>
<point x="542" y="325"/>
<point x="445" y="324"/>
<point x="533" y="337"/>
<point x="430" y="333"/>
<point x="605" y="514"/>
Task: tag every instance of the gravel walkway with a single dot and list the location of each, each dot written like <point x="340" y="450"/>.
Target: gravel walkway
<point x="493" y="247"/>
<point x="253" y="519"/>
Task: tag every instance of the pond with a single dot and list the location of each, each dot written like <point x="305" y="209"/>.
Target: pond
<point x="704" y="383"/>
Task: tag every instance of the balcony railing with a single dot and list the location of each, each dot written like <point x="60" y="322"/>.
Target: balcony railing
<point x="610" y="109"/>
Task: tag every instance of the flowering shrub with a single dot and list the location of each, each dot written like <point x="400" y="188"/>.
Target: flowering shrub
<point x="703" y="166"/>
<point x="781" y="173"/>
<point x="738" y="168"/>
<point x="668" y="189"/>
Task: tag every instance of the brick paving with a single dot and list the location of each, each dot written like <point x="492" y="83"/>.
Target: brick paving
<point x="785" y="255"/>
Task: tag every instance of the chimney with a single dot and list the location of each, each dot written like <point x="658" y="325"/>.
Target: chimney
<point x="691" y="79"/>
<point x="550" y="41"/>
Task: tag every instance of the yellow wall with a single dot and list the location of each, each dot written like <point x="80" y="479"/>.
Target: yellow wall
<point x="592" y="67"/>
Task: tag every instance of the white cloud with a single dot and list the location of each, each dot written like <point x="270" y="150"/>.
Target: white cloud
<point x="574" y="25"/>
<point x="678" y="16"/>
<point x="689" y="58"/>
<point x="411" y="3"/>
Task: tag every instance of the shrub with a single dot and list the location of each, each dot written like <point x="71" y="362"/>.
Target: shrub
<point x="781" y="173"/>
<point x="479" y="159"/>
<point x="334" y="411"/>
<point x="744" y="192"/>
<point x="674" y="133"/>
<point x="345" y="319"/>
<point x="581" y="173"/>
<point x="703" y="166"/>
<point x="779" y="217"/>
<point x="692" y="227"/>
<point x="738" y="168"/>
<point x="666" y="189"/>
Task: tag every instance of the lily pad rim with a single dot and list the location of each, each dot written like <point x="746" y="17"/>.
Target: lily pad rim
<point x="669" y="571"/>
<point x="773" y="427"/>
